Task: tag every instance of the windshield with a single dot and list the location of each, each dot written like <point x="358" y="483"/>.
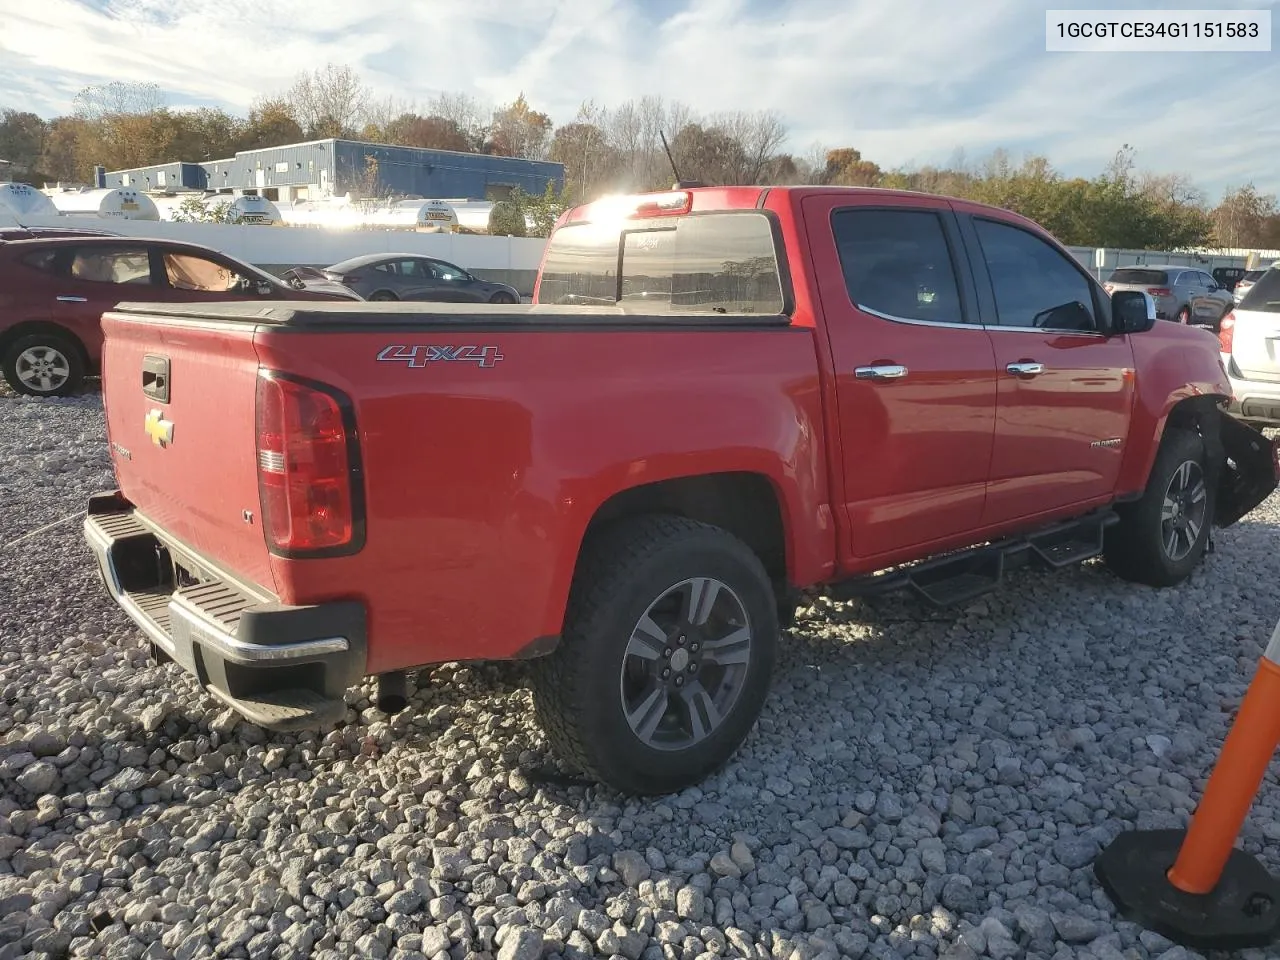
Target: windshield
<point x="1130" y="275"/>
<point x="719" y="262"/>
<point x="1253" y="276"/>
<point x="1264" y="296"/>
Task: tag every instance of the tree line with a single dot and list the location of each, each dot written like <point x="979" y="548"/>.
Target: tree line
<point x="620" y="148"/>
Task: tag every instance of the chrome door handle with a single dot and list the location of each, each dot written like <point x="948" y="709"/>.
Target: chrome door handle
<point x="1026" y="369"/>
<point x="73" y="299"/>
<point x="881" y="371"/>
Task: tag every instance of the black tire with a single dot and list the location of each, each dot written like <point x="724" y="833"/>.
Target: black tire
<point x="383" y="296"/>
<point x="1138" y="548"/>
<point x="44" y="365"/>
<point x="502" y="297"/>
<point x="581" y="690"/>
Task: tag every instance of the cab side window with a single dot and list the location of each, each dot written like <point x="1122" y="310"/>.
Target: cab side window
<point x="897" y="264"/>
<point x="1035" y="285"/>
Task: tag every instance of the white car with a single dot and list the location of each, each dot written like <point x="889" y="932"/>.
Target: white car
<point x="1250" y="338"/>
<point x="1246" y="283"/>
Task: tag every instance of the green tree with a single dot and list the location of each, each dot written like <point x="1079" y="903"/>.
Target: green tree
<point x="541" y="210"/>
<point x="506" y="219"/>
<point x="193" y="209"/>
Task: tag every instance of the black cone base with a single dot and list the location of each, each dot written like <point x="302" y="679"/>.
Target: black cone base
<point x="1242" y="911"/>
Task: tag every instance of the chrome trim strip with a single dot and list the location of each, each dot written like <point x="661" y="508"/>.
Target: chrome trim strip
<point x="919" y="323"/>
<point x="1044" y="330"/>
<point x="210" y="635"/>
<point x="993" y="327"/>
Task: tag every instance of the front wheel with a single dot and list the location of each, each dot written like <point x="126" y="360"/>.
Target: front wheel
<point x="1161" y="537"/>
<point x="44" y="365"/>
<point x="502" y="297"/>
<point x="666" y="655"/>
<point x="383" y="296"/>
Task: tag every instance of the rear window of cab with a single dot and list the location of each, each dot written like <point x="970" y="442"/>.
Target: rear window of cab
<point x="713" y="262"/>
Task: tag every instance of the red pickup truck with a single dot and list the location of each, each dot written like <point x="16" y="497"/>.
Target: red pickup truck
<point x="720" y="397"/>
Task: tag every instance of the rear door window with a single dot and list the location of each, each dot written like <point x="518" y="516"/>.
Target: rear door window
<point x="897" y="264"/>
<point x="131" y="265"/>
<point x="715" y="263"/>
<point x="46" y="261"/>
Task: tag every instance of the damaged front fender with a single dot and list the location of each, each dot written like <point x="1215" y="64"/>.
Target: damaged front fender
<point x="1249" y="471"/>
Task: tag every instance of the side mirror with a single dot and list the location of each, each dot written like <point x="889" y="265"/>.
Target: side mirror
<point x="1133" y="311"/>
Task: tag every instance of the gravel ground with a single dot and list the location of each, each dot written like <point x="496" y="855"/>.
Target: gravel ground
<point x="920" y="785"/>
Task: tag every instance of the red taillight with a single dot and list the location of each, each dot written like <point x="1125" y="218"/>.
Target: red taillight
<point x="1227" y="331"/>
<point x="1158" y="291"/>
<point x="305" y="468"/>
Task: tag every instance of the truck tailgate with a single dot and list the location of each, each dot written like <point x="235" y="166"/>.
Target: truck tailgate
<point x="180" y="404"/>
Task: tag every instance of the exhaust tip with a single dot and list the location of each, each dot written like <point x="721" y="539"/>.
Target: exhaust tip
<point x="393" y="694"/>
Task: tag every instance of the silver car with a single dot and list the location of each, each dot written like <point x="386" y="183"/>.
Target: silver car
<point x="1184" y="294"/>
<point x="1250" y="339"/>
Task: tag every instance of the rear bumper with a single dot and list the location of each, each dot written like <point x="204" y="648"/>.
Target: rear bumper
<point x="280" y="666"/>
<point x="1254" y="400"/>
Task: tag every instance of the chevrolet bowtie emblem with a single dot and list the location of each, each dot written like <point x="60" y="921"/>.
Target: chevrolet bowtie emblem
<point x="159" y="429"/>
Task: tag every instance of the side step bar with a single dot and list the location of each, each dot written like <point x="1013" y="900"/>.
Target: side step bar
<point x="958" y="578"/>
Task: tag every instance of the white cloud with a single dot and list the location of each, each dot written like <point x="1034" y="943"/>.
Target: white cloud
<point x="907" y="82"/>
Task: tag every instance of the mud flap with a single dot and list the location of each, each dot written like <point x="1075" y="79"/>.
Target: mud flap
<point x="1249" y="472"/>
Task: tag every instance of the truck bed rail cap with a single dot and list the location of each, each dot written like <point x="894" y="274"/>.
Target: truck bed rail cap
<point x="353" y="314"/>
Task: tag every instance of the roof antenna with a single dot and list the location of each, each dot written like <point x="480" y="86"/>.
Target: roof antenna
<point x="679" y="184"/>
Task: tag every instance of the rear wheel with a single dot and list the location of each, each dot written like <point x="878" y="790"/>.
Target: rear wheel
<point x="666" y="655"/>
<point x="383" y="296"/>
<point x="44" y="365"/>
<point x="1161" y="538"/>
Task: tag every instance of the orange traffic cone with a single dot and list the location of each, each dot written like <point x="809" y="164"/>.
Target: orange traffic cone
<point x="1193" y="886"/>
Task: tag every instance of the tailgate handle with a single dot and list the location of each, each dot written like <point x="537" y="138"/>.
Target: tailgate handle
<point x="155" y="378"/>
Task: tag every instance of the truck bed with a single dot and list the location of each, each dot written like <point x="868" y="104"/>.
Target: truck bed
<point x="488" y="437"/>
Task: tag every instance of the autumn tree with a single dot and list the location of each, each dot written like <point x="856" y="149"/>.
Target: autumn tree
<point x="432" y="133"/>
<point x="58" y="149"/>
<point x="845" y="167"/>
<point x="466" y="114"/>
<point x="329" y="101"/>
<point x="519" y="131"/>
<point x="759" y="135"/>
<point x="590" y="161"/>
<point x="1242" y="217"/>
<point x="272" y="123"/>
<point x="118" y="97"/>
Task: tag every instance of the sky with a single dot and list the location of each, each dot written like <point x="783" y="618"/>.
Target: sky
<point x="907" y="82"/>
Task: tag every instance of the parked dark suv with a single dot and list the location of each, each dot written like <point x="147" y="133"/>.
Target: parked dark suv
<point x="53" y="294"/>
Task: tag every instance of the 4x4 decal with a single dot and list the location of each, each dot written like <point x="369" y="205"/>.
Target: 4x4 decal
<point x="420" y="356"/>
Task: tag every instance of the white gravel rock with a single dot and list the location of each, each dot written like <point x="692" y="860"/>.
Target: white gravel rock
<point x="920" y="785"/>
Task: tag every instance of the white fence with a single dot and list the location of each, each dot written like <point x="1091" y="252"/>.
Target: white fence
<point x="1206" y="260"/>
